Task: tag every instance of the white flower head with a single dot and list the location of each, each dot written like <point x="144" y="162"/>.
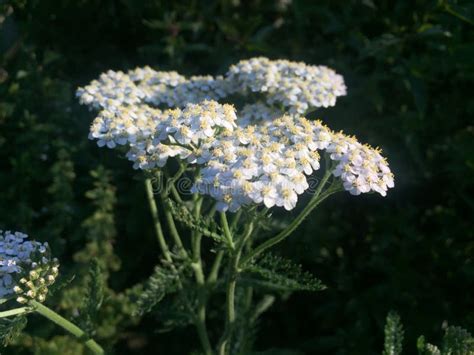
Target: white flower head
<point x="258" y="153"/>
<point x="297" y="86"/>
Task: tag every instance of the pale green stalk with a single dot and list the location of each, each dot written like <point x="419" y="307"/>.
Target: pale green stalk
<point x="214" y="273"/>
<point x="200" y="321"/>
<point x="227" y="233"/>
<point x="14" y="312"/>
<point x="172" y="180"/>
<point x="156" y="221"/>
<point x="68" y="326"/>
<point x="172" y="228"/>
<point x="233" y="271"/>
<point x="235" y="220"/>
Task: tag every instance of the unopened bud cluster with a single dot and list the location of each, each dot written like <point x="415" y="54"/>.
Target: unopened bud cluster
<point x="26" y="267"/>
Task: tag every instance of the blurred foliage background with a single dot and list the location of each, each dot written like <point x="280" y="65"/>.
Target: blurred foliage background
<point x="409" y="68"/>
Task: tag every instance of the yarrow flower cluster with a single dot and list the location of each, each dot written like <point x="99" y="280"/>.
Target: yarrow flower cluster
<point x="26" y="267"/>
<point x="296" y="86"/>
<point x="256" y="154"/>
<point x="361" y="168"/>
<point x="145" y="85"/>
<point x="262" y="164"/>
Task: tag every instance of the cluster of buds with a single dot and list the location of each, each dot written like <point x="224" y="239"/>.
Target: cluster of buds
<point x="26" y="267"/>
<point x="34" y="286"/>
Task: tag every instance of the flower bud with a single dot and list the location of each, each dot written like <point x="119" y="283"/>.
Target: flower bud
<point x="21" y="300"/>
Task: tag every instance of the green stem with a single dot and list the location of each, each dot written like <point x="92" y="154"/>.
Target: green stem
<point x="313" y="203"/>
<point x="68" y="326"/>
<point x="172" y="180"/>
<point x="160" y="236"/>
<point x="212" y="278"/>
<point x="156" y="221"/>
<point x="235" y="220"/>
<point x="176" y="195"/>
<point x="227" y="233"/>
<point x="172" y="228"/>
<point x="211" y="213"/>
<point x="14" y="312"/>
<point x="233" y="272"/>
<point x="200" y="321"/>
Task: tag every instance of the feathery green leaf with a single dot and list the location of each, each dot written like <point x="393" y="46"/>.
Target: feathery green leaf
<point x="393" y="334"/>
<point x="276" y="273"/>
<point x="160" y="283"/>
<point x="11" y="328"/>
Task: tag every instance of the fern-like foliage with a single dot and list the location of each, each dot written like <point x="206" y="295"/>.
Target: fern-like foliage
<point x="393" y="334"/>
<point x="279" y="274"/>
<point x="248" y="321"/>
<point x="177" y="311"/>
<point x="425" y="348"/>
<point x="457" y="341"/>
<point x="11" y="329"/>
<point x="206" y="227"/>
<point x="93" y="298"/>
<point x="161" y="282"/>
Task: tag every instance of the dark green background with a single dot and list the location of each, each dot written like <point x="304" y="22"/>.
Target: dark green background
<point x="409" y="68"/>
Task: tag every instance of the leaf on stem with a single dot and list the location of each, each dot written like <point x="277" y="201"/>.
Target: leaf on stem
<point x="183" y="215"/>
<point x="279" y="274"/>
<point x="11" y="328"/>
<point x="160" y="283"/>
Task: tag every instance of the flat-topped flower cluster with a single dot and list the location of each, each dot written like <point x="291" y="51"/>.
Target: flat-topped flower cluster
<point x="296" y="87"/>
<point x="262" y="152"/>
<point x="26" y="268"/>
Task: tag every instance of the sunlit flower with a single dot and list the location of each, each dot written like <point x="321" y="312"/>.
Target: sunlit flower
<point x="297" y="86"/>
<point x="259" y="153"/>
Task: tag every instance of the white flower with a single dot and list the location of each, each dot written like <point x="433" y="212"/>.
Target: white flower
<point x="297" y="86"/>
<point x="361" y="168"/>
<point x="257" y="154"/>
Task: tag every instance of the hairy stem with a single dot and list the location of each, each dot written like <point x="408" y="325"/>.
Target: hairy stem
<point x="68" y="326"/>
